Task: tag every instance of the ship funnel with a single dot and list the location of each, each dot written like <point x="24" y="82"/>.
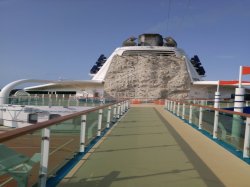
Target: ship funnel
<point x="150" y="40"/>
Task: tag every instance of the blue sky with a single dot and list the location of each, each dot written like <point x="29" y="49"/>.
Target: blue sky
<point x="52" y="39"/>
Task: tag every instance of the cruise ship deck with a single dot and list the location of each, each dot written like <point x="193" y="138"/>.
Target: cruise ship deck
<point x="147" y="146"/>
<point x="151" y="147"/>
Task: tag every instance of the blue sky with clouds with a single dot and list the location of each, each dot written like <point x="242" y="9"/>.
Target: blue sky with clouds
<point x="52" y="39"/>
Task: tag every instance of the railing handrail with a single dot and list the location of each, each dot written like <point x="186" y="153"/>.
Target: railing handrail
<point x="40" y="125"/>
<point x="215" y="109"/>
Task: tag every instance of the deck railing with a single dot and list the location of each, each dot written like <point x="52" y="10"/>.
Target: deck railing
<point x="54" y="144"/>
<point x="224" y="103"/>
<point x="229" y="128"/>
<point x="54" y="100"/>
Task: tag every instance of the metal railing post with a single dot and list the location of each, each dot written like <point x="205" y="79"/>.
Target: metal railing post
<point x="216" y="114"/>
<point x="178" y="109"/>
<point x="118" y="111"/>
<point x="200" y="117"/>
<point x="190" y="114"/>
<point x="114" y="113"/>
<point x="174" y="107"/>
<point x="171" y="106"/>
<point x="247" y="139"/>
<point x="99" y="122"/>
<point x="183" y="111"/>
<point x="216" y="122"/>
<point x="109" y="117"/>
<point x="82" y="133"/>
<point x="43" y="172"/>
<point x="123" y="108"/>
<point x="43" y="100"/>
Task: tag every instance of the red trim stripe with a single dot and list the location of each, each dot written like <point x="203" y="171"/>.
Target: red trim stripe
<point x="245" y="70"/>
<point x="233" y="82"/>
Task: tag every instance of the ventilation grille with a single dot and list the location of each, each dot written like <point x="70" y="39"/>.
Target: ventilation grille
<point x="148" y="52"/>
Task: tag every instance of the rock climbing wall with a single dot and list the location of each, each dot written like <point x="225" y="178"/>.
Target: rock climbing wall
<point x="147" y="76"/>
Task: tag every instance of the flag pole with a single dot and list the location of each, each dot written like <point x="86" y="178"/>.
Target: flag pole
<point x="218" y="86"/>
<point x="240" y="77"/>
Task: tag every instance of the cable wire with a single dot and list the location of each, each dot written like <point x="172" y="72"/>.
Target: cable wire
<point x="168" y="18"/>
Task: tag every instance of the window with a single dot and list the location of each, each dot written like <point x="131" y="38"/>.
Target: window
<point x="32" y="118"/>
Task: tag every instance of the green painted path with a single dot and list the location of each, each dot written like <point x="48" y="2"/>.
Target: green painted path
<point x="143" y="150"/>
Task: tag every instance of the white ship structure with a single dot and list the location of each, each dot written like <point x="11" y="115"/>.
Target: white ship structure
<point x="151" y="69"/>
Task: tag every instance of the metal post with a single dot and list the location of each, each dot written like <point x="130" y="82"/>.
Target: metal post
<point x="118" y="111"/>
<point x="43" y="100"/>
<point x="122" y="108"/>
<point x="190" y="114"/>
<point x="82" y="134"/>
<point x="183" y="111"/>
<point x="178" y="109"/>
<point x="109" y="116"/>
<point x="216" y="122"/>
<point x="216" y="114"/>
<point x="114" y="113"/>
<point x="171" y="105"/>
<point x="200" y="117"/>
<point x="99" y="123"/>
<point x="125" y="106"/>
<point x="36" y="99"/>
<point x="174" y="107"/>
<point x="247" y="139"/>
<point x="44" y="157"/>
<point x="238" y="107"/>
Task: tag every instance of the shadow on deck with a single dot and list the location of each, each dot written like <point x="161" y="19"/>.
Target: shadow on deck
<point x="144" y="149"/>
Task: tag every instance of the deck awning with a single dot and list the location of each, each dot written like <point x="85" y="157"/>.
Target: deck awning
<point x="67" y="85"/>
